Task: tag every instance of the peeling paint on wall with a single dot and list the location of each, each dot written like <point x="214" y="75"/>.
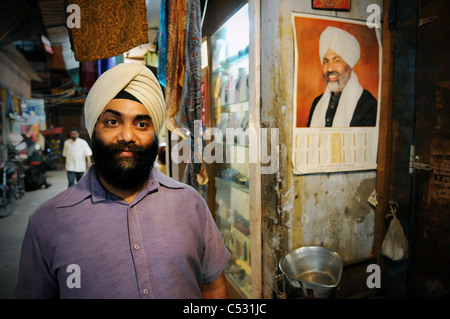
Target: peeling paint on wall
<point x="336" y="213"/>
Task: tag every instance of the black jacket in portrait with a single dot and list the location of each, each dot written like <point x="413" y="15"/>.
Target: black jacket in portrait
<point x="365" y="113"/>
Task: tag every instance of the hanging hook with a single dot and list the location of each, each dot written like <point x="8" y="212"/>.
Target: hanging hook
<point x="393" y="208"/>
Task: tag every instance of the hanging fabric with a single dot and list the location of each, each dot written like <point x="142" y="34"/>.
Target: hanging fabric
<point x="88" y="74"/>
<point x="191" y="96"/>
<point x="108" y="28"/>
<point x="162" y="42"/>
<point x="176" y="30"/>
<point x="184" y="82"/>
<point x="105" y="64"/>
<point x="9" y="102"/>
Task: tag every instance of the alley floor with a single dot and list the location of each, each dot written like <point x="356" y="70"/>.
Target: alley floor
<point x="12" y="229"/>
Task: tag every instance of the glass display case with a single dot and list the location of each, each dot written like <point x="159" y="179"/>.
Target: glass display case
<point x="229" y="48"/>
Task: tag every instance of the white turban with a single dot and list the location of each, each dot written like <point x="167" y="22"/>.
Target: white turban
<point x="134" y="78"/>
<point x="341" y="42"/>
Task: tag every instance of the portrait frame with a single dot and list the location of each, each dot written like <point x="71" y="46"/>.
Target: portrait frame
<point x="332" y="149"/>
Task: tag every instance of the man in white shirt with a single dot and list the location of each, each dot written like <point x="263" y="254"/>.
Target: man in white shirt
<point x="78" y="156"/>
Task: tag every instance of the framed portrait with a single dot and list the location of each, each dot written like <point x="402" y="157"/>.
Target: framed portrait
<point x="337" y="89"/>
<point x="344" y="5"/>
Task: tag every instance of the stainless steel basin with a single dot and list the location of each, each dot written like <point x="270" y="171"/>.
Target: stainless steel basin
<point x="316" y="270"/>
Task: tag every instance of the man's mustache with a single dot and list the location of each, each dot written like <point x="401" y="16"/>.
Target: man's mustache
<point x="332" y="73"/>
<point x="125" y="147"/>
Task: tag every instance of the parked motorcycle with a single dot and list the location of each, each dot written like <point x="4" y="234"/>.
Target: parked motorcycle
<point x="23" y="171"/>
<point x="34" y="165"/>
<point x="35" y="169"/>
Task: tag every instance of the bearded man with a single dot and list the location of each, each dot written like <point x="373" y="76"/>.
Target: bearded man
<point x="125" y="230"/>
<point x="345" y="102"/>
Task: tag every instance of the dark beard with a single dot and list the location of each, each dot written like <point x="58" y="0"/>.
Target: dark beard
<point x="124" y="173"/>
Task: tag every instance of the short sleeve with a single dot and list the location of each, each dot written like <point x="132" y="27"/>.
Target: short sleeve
<point x="216" y="254"/>
<point x="87" y="149"/>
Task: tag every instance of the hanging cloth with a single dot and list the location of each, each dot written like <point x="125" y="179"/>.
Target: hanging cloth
<point x="88" y="74"/>
<point x="162" y="42"/>
<point x="183" y="82"/>
<point x="177" y="22"/>
<point x="190" y="108"/>
<point x="108" y="28"/>
<point x="105" y="64"/>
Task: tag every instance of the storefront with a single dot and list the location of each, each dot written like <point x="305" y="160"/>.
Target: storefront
<point x="263" y="205"/>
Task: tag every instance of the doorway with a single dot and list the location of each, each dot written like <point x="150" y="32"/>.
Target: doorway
<point x="430" y="271"/>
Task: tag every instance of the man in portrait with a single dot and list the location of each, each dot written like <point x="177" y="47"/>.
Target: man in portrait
<point x="345" y="103"/>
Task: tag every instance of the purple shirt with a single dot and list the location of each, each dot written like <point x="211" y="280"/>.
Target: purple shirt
<point x="164" y="244"/>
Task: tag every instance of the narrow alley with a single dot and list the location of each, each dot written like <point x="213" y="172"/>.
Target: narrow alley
<point x="12" y="229"/>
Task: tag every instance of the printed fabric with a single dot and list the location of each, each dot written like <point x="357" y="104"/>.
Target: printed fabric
<point x="108" y="28"/>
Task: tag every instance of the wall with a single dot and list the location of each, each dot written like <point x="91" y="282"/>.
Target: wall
<point x="67" y="116"/>
<point x="329" y="210"/>
<point x="13" y="78"/>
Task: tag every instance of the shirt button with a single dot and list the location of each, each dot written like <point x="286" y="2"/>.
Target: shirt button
<point x="136" y="246"/>
<point x="145" y="291"/>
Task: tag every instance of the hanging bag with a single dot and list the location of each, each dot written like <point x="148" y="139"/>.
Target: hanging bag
<point x="395" y="244"/>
